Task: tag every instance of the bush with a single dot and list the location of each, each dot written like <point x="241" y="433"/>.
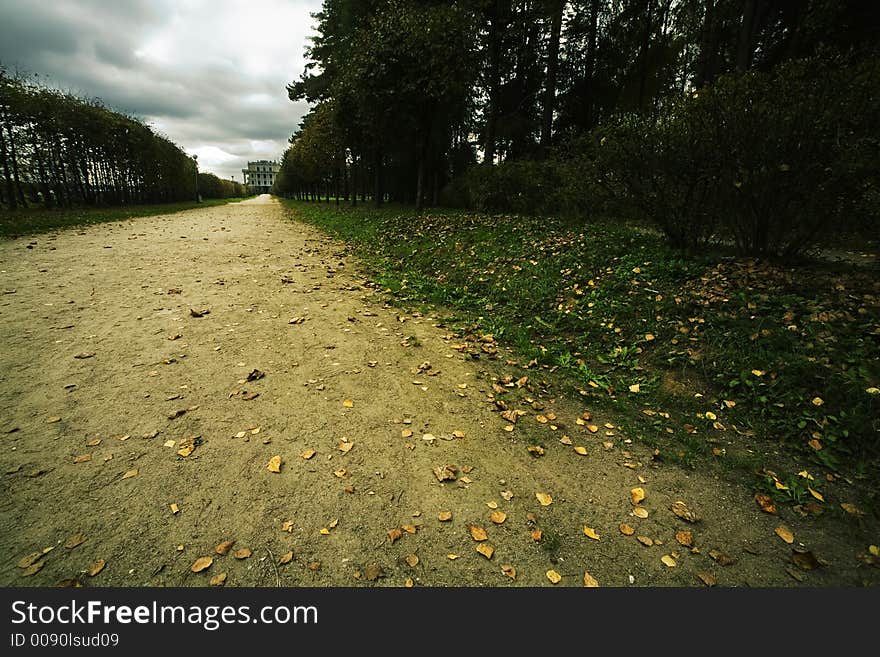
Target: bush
<point x="774" y="162"/>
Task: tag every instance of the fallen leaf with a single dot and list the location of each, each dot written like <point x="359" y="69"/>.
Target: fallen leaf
<point x="373" y="572"/>
<point x="33" y="569"/>
<point x="477" y="533"/>
<point x="96" y="567"/>
<point x="765" y="502"/>
<point x="816" y="494"/>
<point x="406" y="433"/>
<point x="85" y="354"/>
<point x="444" y="516"/>
<point x="342" y="473"/>
<point x="223" y="548"/>
<point x="804" y="560"/>
<point x="591" y="533"/>
<point x="394" y="534"/>
<point x="554" y="577"/>
<point x="287" y="557"/>
<point x="174" y="508"/>
<point x="707" y="578"/>
<point x="408" y="583"/>
<point x="345" y="446"/>
<point x="565" y="440"/>
<point x="452" y="557"/>
<point x="684" y="538"/>
<point x="348" y="403"/>
<point x="492" y="505"/>
<point x="82" y="458"/>
<point x="535" y="450"/>
<point x="31" y="559"/>
<point x="201" y="564"/>
<point x="498" y="517"/>
<point x="218" y="580"/>
<point x="412" y="560"/>
<point x="626" y="530"/>
<point x="445" y="472"/>
<point x="817" y="401"/>
<point x="130" y="473"/>
<point x="69" y="583"/>
<point x="590" y="581"/>
<point x="315" y="566"/>
<point x="785" y="534"/>
<point x="668" y="561"/>
<point x="53" y="420"/>
<point x="851" y="509"/>
<point x="507" y="495"/>
<point x="544" y="499"/>
<point x="409" y="529"/>
<point x="309" y="453"/>
<point x="73" y="541"/>
<point x="720" y="558"/>
<point x="537" y="534"/>
<point x="681" y="509"/>
<point x="486" y="550"/>
<point x="636" y="495"/>
<point x="580" y="450"/>
<point x="242" y="553"/>
<point x="634" y="387"/>
<point x="640" y="512"/>
<point x="592" y="428"/>
<point x="645" y="540"/>
<point x="94" y="442"/>
<point x="274" y="464"/>
<point x="324" y="531"/>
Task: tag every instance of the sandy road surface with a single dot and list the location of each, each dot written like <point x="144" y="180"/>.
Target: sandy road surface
<point x="105" y="375"/>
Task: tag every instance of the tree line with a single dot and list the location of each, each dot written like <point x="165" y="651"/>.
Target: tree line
<point x="59" y="150"/>
<point x="504" y="104"/>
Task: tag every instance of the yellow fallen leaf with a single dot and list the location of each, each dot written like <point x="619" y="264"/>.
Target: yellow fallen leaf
<point x="590" y="581"/>
<point x="242" y="553"/>
<point x="274" y="464"/>
<point x="218" y="580"/>
<point x="591" y="533"/>
<point x="477" y="533"/>
<point x="592" y="428"/>
<point x="536" y="534"/>
<point x="53" y="420"/>
<point x="875" y="550"/>
<point x="96" y="567"/>
<point x="816" y="494"/>
<point x="711" y="416"/>
<point x="223" y="548"/>
<point x="873" y="391"/>
<point x="684" y="538"/>
<point x="565" y="440"/>
<point x="554" y="577"/>
<point x="634" y="387"/>
<point x="498" y="517"/>
<point x="452" y="557"/>
<point x="309" y="453"/>
<point x="758" y="372"/>
<point x="201" y="564"/>
<point x="626" y="530"/>
<point x="345" y="446"/>
<point x="412" y="560"/>
<point x="851" y="509"/>
<point x="131" y="473"/>
<point x="406" y="433"/>
<point x="409" y="529"/>
<point x="348" y="403"/>
<point x="640" y="512"/>
<point x="444" y="516"/>
<point x="324" y="531"/>
<point x="508" y="570"/>
<point x="668" y="560"/>
<point x="649" y="336"/>
<point x="486" y="550"/>
<point x="492" y="505"/>
<point x="287" y="526"/>
<point x="174" y="508"/>
<point x="817" y="401"/>
<point x="82" y="458"/>
<point x="287" y="557"/>
<point x="637" y="495"/>
<point x="580" y="449"/>
<point x="544" y="499"/>
<point x="394" y="534"/>
<point x="408" y="583"/>
<point x="785" y="534"/>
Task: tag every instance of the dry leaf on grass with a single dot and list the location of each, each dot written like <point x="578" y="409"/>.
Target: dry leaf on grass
<point x="131" y="473"/>
<point x="345" y="446"/>
<point x="580" y="449"/>
<point x="307" y="454"/>
<point x="348" y="403"/>
<point x="486" y="550"/>
<point x="544" y="499"/>
<point x="73" y="541"/>
<point x="224" y="547"/>
<point x="445" y="472"/>
<point x="287" y="557"/>
<point x="640" y="512"/>
<point x="444" y="516"/>
<point x="412" y="560"/>
<point x="242" y="553"/>
<point x="590" y="581"/>
<point x="508" y="570"/>
<point x="684" y="538"/>
<point x="201" y="564"/>
<point x="626" y="530"/>
<point x="707" y="578"/>
<point x="636" y="495"/>
<point x="96" y="567"/>
<point x="477" y="533"/>
<point x="394" y="534"/>
<point x="785" y="534"/>
<point x="554" y="577"/>
<point x="645" y="540"/>
<point x="765" y="502"/>
<point x="681" y="510"/>
<point x="274" y="464"/>
<point x="591" y="533"/>
<point x="668" y="561"/>
<point x="218" y="580"/>
<point x="721" y="558"/>
<point x="498" y="517"/>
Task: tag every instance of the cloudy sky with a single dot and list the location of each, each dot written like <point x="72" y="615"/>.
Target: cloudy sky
<point x="209" y="74"/>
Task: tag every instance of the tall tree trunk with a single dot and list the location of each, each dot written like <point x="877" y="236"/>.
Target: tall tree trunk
<point x="708" y="47"/>
<point x="643" y="54"/>
<point x="378" y="178"/>
<point x="745" y="45"/>
<point x="496" y="27"/>
<point x="19" y="194"/>
<point x="552" y="66"/>
<point x="7" y="174"/>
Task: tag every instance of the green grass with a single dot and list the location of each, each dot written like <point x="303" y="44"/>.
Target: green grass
<point x="31" y="221"/>
<point x="728" y="354"/>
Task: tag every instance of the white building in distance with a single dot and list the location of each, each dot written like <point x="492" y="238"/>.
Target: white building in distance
<point x="260" y="175"/>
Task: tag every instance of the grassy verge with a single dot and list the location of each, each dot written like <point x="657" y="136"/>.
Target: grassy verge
<point x="751" y="365"/>
<point x="31" y="221"/>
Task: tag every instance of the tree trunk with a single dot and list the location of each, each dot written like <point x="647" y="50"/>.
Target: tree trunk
<point x="7" y="174"/>
<point x="643" y="55"/>
<point x="378" y="178"/>
<point x="708" y="47"/>
<point x="745" y="41"/>
<point x="552" y="66"/>
<point x="494" y="82"/>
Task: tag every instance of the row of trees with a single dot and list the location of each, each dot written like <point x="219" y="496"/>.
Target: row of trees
<point x="211" y="186"/>
<point x="409" y="97"/>
<point x="60" y="150"/>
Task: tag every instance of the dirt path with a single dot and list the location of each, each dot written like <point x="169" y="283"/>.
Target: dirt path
<point x="344" y="381"/>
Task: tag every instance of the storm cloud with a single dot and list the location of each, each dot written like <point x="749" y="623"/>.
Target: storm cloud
<point x="209" y="74"/>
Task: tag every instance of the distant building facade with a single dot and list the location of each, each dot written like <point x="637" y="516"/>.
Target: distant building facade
<point x="260" y="175"/>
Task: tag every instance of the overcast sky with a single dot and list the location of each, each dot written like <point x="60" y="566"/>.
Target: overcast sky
<point x="209" y="74"/>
